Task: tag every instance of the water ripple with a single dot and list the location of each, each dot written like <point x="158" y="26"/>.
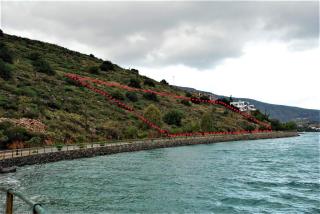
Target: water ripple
<point x="262" y="176"/>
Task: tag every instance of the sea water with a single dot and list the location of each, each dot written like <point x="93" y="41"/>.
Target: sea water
<point x="259" y="176"/>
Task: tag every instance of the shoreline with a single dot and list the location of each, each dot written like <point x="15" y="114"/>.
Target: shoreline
<point x="136" y="146"/>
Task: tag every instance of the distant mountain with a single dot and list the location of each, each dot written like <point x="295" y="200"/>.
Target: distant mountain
<point x="280" y="112"/>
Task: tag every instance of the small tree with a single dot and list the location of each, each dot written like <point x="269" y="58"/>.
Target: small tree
<point x="290" y="126"/>
<point x="204" y="97"/>
<point x="17" y="134"/>
<point x="249" y="127"/>
<point x="208" y="122"/>
<point x="5" y="54"/>
<point x="173" y="117"/>
<point x="94" y="70"/>
<point x="151" y="96"/>
<point x="5" y="71"/>
<point x="42" y="66"/>
<point x="1" y="33"/>
<point x="135" y="83"/>
<point x="34" y="56"/>
<point x="149" y="82"/>
<point x="186" y="102"/>
<point x="106" y="66"/>
<point x="153" y="114"/>
<point x="117" y="95"/>
<point x="260" y="116"/>
<point x="132" y="96"/>
<point x="134" y="71"/>
<point x="275" y="124"/>
<point x="131" y="132"/>
<point x="164" y="82"/>
<point x="188" y="94"/>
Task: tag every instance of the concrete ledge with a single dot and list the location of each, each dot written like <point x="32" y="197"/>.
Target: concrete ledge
<point x="136" y="146"/>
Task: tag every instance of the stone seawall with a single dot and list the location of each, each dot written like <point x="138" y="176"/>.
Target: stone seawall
<point x="136" y="146"/>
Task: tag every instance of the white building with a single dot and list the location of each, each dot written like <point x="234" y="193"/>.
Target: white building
<point x="243" y="105"/>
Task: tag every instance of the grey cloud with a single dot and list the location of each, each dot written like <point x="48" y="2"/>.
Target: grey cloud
<point x="163" y="33"/>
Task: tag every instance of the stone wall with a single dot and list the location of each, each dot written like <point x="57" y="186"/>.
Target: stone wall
<point x="135" y="146"/>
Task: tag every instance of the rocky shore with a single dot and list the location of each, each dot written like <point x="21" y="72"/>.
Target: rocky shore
<point x="136" y="146"/>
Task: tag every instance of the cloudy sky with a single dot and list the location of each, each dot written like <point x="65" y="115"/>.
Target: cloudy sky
<point x="268" y="51"/>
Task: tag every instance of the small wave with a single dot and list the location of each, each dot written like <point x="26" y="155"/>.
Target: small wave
<point x="40" y="198"/>
<point x="250" y="202"/>
<point x="263" y="184"/>
<point x="9" y="182"/>
<point x="292" y="184"/>
<point x="305" y="185"/>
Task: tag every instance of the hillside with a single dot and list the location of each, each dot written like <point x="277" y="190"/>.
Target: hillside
<point x="37" y="90"/>
<point x="286" y="113"/>
<point x="280" y="112"/>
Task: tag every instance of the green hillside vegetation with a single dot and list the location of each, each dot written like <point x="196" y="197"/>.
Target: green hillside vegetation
<point x="32" y="85"/>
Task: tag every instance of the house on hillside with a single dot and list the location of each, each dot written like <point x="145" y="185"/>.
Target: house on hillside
<point x="243" y="106"/>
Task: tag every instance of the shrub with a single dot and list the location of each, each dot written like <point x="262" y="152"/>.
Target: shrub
<point x="275" y="124"/>
<point x="3" y="139"/>
<point x="27" y="91"/>
<point x="149" y="82"/>
<point x="204" y="97"/>
<point x="151" y="96"/>
<point x="164" y="82"/>
<point x="249" y="127"/>
<point x="59" y="147"/>
<point x="278" y="126"/>
<point x="260" y="116"/>
<point x="35" y="141"/>
<point x="134" y="71"/>
<point x="208" y="122"/>
<point x="153" y="114"/>
<point x="131" y="132"/>
<point x="34" y="56"/>
<point x="106" y="66"/>
<point x="5" y="54"/>
<point x="92" y="56"/>
<point x="290" y="126"/>
<point x="193" y="126"/>
<point x="30" y="111"/>
<point x="1" y="33"/>
<point x="188" y="94"/>
<point x="173" y="117"/>
<point x="17" y="134"/>
<point x="8" y="103"/>
<point x="135" y="83"/>
<point x="117" y="95"/>
<point x="109" y="132"/>
<point x="72" y="82"/>
<point x="5" y="125"/>
<point x="186" y="102"/>
<point x="5" y="70"/>
<point x="94" y="70"/>
<point x="42" y="66"/>
<point x="132" y="96"/>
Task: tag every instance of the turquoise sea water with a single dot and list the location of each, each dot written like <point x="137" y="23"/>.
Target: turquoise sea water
<point x="261" y="176"/>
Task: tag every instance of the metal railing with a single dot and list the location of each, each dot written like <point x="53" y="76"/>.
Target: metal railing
<point x="36" y="207"/>
<point x="8" y="154"/>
